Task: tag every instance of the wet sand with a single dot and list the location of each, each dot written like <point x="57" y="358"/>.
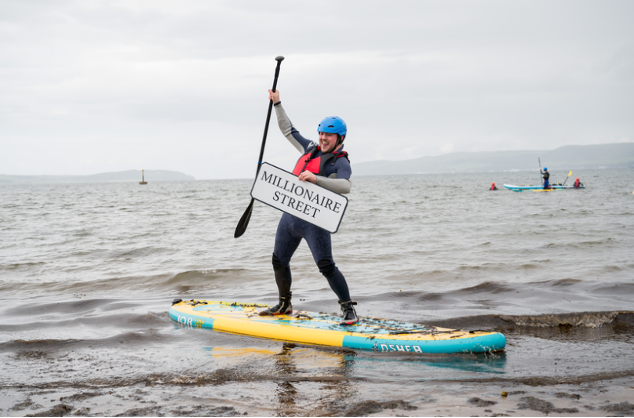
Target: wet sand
<point x="323" y="396"/>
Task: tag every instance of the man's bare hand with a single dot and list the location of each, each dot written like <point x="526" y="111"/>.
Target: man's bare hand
<point x="274" y="96"/>
<point x="308" y="176"/>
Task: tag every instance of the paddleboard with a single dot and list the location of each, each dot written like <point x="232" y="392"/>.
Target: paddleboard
<point x="374" y="334"/>
<point x="553" y="186"/>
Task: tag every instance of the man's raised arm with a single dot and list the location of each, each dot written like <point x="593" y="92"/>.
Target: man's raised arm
<point x="288" y="130"/>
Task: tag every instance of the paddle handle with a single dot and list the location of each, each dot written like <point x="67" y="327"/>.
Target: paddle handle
<point x="279" y="60"/>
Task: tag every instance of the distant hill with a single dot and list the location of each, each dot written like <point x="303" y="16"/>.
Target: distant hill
<point x="119" y="176"/>
<point x="565" y="158"/>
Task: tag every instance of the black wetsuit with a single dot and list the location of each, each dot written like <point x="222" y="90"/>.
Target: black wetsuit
<point x="291" y="230"/>
<point x="546" y="176"/>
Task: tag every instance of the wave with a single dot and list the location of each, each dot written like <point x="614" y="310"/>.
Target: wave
<point x="88" y="319"/>
<point x="582" y="244"/>
<point x="195" y="377"/>
<point x="488" y="287"/>
<point x="552" y="380"/>
<point x="574" y="319"/>
<point x="43" y="347"/>
<point x="616" y="289"/>
<point x="565" y="282"/>
<point x="191" y="280"/>
<point x="139" y="252"/>
<point x="192" y="277"/>
<point x="596" y="242"/>
<point x="182" y="378"/>
<point x="466" y="271"/>
<point x="22" y="266"/>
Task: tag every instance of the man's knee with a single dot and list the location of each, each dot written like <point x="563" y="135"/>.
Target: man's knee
<point x="326" y="267"/>
<point x="277" y="263"/>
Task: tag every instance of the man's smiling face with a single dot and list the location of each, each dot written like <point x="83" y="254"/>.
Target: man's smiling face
<point x="327" y="141"/>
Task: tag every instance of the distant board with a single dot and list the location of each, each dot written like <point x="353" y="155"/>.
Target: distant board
<point x="284" y="191"/>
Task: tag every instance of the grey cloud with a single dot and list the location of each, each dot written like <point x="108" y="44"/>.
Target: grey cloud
<point x="420" y="77"/>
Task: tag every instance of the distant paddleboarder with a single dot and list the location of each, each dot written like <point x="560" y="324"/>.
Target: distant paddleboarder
<point x="545" y="176"/>
<point x="578" y="183"/>
<point x="493" y="187"/>
<point x="327" y="165"/>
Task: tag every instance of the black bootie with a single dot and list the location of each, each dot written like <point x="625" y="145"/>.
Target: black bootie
<point x="282" y="308"/>
<point x="349" y="314"/>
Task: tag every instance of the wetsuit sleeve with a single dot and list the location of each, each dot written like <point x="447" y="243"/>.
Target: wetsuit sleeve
<point x="339" y="181"/>
<point x="341" y="186"/>
<point x="299" y="142"/>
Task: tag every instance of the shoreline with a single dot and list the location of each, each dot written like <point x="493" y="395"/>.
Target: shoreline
<point x="594" y="397"/>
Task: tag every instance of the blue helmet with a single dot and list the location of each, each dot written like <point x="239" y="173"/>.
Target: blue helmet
<point x="545" y="169"/>
<point x="333" y="125"/>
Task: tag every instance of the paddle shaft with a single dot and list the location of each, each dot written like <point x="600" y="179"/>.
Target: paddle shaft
<point x="246" y="217"/>
<point x="268" y="114"/>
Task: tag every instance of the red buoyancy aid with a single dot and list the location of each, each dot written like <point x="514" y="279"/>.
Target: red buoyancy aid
<point x="577" y="183"/>
<point x="309" y="161"/>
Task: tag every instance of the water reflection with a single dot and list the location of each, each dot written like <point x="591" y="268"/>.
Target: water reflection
<point x="429" y="367"/>
<point x="286" y="392"/>
<point x="331" y="373"/>
<point x="336" y="374"/>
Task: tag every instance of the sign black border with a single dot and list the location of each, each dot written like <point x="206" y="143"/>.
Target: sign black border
<point x="281" y="169"/>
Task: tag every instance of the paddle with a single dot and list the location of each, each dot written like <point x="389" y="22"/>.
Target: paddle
<point x="540" y="169"/>
<point x="246" y="217"/>
<point x="569" y="174"/>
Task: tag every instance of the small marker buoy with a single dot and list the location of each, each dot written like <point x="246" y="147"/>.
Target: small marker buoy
<point x="143" y="177"/>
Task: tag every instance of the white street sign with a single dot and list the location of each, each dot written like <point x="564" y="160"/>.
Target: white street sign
<point x="284" y="191"/>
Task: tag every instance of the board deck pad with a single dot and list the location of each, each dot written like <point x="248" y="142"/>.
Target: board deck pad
<point x="374" y="334"/>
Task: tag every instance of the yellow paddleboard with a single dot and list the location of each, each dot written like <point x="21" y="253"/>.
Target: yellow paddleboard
<point x="374" y="334"/>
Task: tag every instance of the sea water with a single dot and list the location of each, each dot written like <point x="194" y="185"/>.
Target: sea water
<point x="88" y="271"/>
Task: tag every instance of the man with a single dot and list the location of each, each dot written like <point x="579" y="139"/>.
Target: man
<point x="327" y="165"/>
<point x="546" y="176"/>
<point x="493" y="187"/>
<point x="578" y="183"/>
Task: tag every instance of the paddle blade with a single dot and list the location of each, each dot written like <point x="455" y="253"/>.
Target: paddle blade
<point x="244" y="221"/>
<point x="570" y="174"/>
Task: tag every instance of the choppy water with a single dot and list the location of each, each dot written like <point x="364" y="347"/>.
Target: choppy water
<point x="87" y="272"/>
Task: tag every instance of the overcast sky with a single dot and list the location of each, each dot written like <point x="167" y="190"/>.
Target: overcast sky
<point x="96" y="86"/>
